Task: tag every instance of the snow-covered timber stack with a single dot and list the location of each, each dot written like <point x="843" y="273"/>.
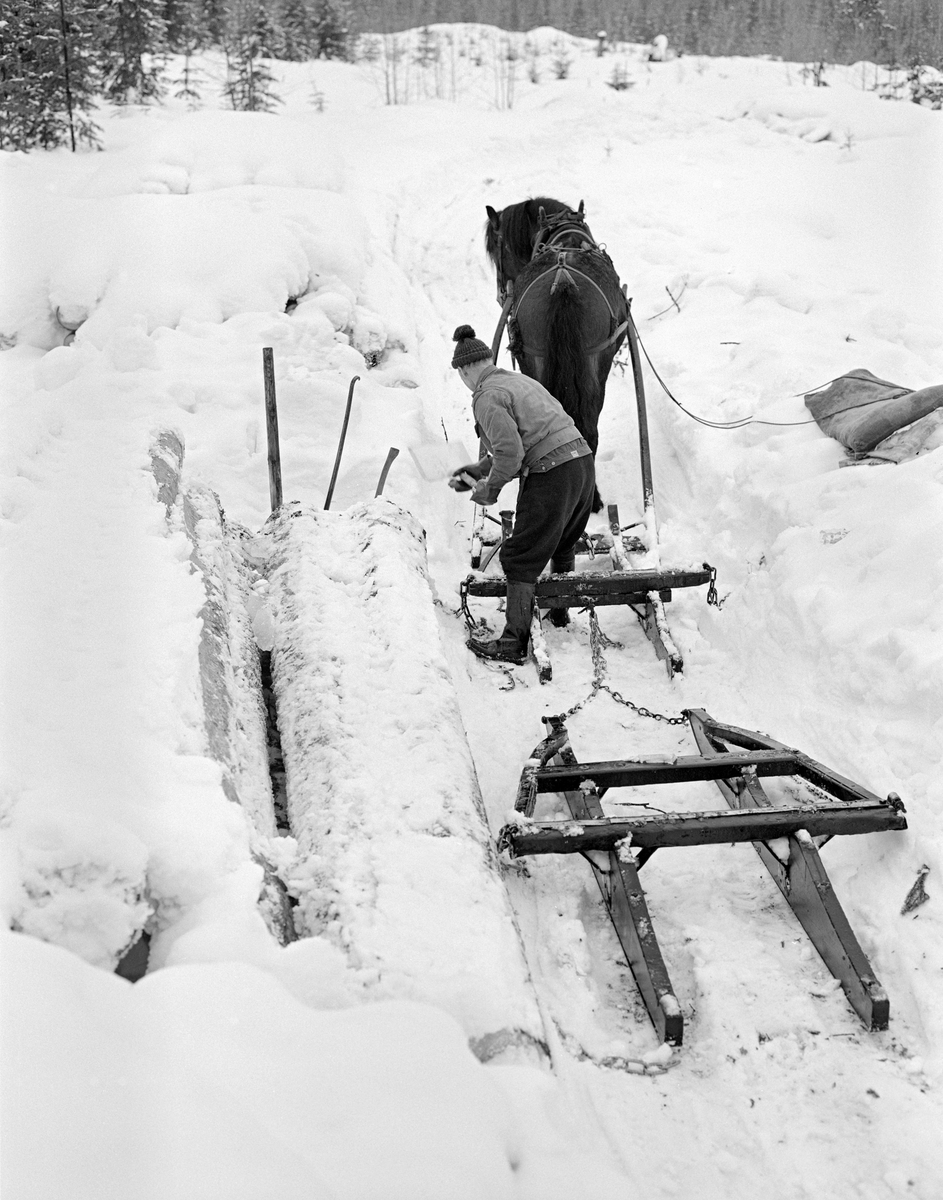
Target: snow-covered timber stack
<point x="233" y="710"/>
<point x="395" y="860"/>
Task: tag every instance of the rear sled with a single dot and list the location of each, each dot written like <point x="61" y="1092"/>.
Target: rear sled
<point x="736" y="760"/>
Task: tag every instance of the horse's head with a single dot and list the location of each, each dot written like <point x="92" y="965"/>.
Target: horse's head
<point x="495" y="249"/>
<point x="512" y="233"/>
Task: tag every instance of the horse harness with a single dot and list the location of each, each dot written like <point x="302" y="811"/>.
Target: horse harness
<point x="552" y="231"/>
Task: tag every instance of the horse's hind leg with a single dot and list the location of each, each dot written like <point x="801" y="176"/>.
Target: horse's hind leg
<point x="592" y="440"/>
<point x="603" y="365"/>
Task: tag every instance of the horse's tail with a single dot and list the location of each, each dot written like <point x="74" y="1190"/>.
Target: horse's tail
<point x="569" y="371"/>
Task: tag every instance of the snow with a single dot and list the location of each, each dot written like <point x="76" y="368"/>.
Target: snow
<point x="394" y="858"/>
<point x="203" y="1079"/>
<point x="773" y="236"/>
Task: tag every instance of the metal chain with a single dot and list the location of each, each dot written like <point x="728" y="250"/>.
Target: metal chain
<point x="453" y="612"/>
<point x="642" y="711"/>
<point x="463" y="608"/>
<point x="712" y="588"/>
<point x="597" y="639"/>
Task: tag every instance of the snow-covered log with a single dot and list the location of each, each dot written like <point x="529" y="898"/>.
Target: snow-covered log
<point x="395" y="861"/>
<point x="233" y="709"/>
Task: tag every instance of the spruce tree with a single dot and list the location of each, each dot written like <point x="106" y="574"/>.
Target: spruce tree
<point x="215" y="20"/>
<point x="868" y="20"/>
<point x="332" y="29"/>
<point x="297" y="29"/>
<point x="250" y="37"/>
<point x="428" y="51"/>
<point x="135" y="28"/>
<point x="186" y="35"/>
<point x="185" y="26"/>
<point x="252" y="25"/>
<point x="48" y="74"/>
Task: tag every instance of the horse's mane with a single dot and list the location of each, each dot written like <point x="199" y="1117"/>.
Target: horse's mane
<point x="519" y="225"/>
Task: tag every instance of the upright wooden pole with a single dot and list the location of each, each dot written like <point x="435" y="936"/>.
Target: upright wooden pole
<point x="645" y="452"/>
<point x="386" y="470"/>
<point x="271" y="424"/>
<point x="654" y="621"/>
<point x="340" y="444"/>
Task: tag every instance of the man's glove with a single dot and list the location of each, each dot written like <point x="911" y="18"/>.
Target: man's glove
<point x="464" y="478"/>
<point x="461" y="481"/>
<point x="483" y="493"/>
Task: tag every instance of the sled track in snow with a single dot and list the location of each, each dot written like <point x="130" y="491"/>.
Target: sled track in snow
<point x="343" y="729"/>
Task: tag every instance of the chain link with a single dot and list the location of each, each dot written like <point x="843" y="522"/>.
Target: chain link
<point x="453" y="612"/>
<point x="597" y="639"/>
<point x="473" y="625"/>
<point x="642" y="710"/>
<point x="712" y="588"/>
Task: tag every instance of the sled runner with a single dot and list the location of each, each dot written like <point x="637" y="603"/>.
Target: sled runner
<point x="618" y="847"/>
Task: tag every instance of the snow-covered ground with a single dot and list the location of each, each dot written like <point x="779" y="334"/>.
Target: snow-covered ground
<point x="772" y="236"/>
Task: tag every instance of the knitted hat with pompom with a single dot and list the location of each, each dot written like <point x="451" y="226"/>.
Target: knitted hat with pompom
<point x="468" y="348"/>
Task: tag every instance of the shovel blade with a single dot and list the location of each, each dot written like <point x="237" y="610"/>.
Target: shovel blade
<point x="438" y="460"/>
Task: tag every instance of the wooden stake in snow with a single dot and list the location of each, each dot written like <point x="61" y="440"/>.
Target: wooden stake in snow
<point x="386" y="470"/>
<point x="271" y="424"/>
<point x="340" y="444"/>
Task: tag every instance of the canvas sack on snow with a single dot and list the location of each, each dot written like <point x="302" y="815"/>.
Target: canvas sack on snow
<point x="859" y="410"/>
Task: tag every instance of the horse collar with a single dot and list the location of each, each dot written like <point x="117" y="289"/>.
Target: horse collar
<point x="557" y="226"/>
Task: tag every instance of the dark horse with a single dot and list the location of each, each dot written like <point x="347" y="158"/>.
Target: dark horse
<point x="565" y="309"/>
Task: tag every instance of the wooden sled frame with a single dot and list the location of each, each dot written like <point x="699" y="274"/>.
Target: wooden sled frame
<point x="637" y="577"/>
<point x="623" y="845"/>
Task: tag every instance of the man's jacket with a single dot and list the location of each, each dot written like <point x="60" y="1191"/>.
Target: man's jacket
<point x="519" y="423"/>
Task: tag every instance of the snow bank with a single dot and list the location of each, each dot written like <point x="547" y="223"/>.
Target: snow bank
<point x="211" y="151"/>
<point x="381" y="1102"/>
<point x="160" y="260"/>
<point x="842" y="113"/>
<point x="115" y="812"/>
<point x="230" y="678"/>
<point x="395" y="861"/>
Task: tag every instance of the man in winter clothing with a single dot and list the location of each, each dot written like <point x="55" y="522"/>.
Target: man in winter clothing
<point x="525" y="432"/>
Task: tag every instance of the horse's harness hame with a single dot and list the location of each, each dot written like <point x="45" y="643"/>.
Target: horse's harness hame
<point x="551" y="232"/>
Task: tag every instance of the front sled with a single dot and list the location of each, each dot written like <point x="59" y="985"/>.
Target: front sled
<point x="645" y="590"/>
<point x="617" y="848"/>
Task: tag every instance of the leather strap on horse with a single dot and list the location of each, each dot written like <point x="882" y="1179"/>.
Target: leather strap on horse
<point x="570" y="271"/>
<point x="559" y="225"/>
<point x="562" y="275"/>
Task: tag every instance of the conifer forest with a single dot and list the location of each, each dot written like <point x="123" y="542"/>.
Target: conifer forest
<point x="60" y="58"/>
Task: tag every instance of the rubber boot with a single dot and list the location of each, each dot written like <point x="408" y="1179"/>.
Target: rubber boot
<point x="511" y="646"/>
<point x="560" y="617"/>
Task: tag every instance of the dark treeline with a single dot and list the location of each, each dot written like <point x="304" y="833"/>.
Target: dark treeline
<point x="60" y="58"/>
<point x="897" y="32"/>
